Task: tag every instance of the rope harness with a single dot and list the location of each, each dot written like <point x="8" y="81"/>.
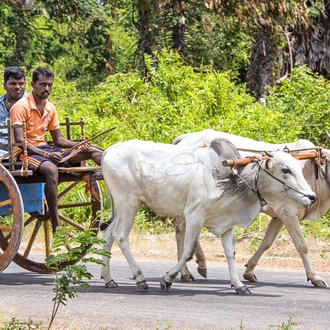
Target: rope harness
<point x="318" y="161"/>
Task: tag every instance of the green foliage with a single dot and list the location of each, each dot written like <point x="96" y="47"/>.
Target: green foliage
<point x="87" y="40"/>
<point x="177" y="99"/>
<point x="124" y="36"/>
<point x="212" y="41"/>
<point x="15" y="324"/>
<point x="82" y="43"/>
<point x="147" y="222"/>
<point x="304" y="101"/>
<point x="16" y="31"/>
<point x="286" y="325"/>
<point x="84" y="240"/>
<point x="254" y="232"/>
<point x="74" y="274"/>
<point x="71" y="36"/>
<point x="319" y="229"/>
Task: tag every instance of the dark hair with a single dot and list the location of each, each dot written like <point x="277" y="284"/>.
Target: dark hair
<point x="13" y="71"/>
<point x="43" y="71"/>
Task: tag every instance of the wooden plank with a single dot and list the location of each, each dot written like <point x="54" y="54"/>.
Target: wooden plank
<point x="81" y="169"/>
<point x="253" y="159"/>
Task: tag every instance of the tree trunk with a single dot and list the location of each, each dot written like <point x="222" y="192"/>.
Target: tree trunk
<point x="146" y="39"/>
<point x="178" y="28"/>
<point x="259" y="74"/>
<point x="312" y="45"/>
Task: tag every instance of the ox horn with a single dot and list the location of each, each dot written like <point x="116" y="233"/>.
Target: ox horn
<point x="269" y="154"/>
<point x="327" y="134"/>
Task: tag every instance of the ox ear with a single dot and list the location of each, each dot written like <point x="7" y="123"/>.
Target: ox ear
<point x="327" y="134"/>
<point x="325" y="153"/>
<point x="269" y="164"/>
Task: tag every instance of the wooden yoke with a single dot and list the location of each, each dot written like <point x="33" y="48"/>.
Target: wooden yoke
<point x="253" y="159"/>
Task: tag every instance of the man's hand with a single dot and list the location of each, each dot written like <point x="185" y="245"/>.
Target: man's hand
<point x="55" y="157"/>
<point x="85" y="147"/>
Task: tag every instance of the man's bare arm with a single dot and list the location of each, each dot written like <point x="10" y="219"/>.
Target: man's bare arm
<point x="60" y="141"/>
<point x="19" y="138"/>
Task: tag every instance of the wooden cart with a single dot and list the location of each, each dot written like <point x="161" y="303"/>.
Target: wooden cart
<point x="25" y="228"/>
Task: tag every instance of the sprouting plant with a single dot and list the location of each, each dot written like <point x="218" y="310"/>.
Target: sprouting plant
<point x="73" y="274"/>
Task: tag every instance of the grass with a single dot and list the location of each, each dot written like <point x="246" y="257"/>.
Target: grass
<point x="15" y="324"/>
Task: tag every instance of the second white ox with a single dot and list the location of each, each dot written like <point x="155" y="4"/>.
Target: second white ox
<point x="192" y="183"/>
<point x="316" y="174"/>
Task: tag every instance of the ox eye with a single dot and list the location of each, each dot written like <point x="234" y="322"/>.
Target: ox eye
<point x="286" y="170"/>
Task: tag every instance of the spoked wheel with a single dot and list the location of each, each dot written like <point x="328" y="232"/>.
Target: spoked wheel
<point x="78" y="211"/>
<point x="11" y="219"/>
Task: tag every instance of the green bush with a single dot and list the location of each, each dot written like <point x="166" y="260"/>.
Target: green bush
<point x="178" y="98"/>
<point x="304" y="102"/>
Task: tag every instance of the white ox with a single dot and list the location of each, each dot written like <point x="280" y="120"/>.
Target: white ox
<point x="192" y="183"/>
<point x="287" y="215"/>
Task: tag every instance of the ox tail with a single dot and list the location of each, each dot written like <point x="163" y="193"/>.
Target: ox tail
<point x="105" y="225"/>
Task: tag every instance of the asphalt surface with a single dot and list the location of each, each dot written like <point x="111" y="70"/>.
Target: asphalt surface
<point x="280" y="298"/>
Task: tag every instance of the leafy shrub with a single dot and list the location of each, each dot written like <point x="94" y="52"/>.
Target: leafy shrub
<point x="304" y="102"/>
<point x="319" y="229"/>
<point x="15" y="324"/>
<point x="178" y="98"/>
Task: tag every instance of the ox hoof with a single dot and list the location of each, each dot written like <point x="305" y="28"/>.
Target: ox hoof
<point x="243" y="290"/>
<point x="188" y="278"/>
<point x="142" y="285"/>
<point x="319" y="284"/>
<point x="202" y="271"/>
<point x="165" y="286"/>
<point x="250" y="277"/>
<point x="111" y="284"/>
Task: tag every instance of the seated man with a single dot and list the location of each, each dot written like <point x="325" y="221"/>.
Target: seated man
<point x="40" y="115"/>
<point x="14" y="85"/>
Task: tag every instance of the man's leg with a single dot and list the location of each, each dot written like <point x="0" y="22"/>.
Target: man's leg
<point x="96" y="156"/>
<point x="50" y="173"/>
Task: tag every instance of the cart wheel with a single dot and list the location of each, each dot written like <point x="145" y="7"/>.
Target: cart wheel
<point x="77" y="212"/>
<point x="11" y="226"/>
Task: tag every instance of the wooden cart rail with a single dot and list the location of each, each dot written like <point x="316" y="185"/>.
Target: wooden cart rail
<point x="19" y="168"/>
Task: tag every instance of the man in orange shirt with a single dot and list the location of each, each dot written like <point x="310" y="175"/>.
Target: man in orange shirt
<point x="40" y="115"/>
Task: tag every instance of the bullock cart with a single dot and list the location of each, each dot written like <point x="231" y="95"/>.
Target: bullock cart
<point x="25" y="228"/>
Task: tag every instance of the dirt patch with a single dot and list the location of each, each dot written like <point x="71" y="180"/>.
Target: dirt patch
<point x="281" y="255"/>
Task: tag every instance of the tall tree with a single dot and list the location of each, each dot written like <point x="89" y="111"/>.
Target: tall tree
<point x="146" y="10"/>
<point x="270" y="22"/>
<point x="259" y="74"/>
<point x="311" y="45"/>
<point x="16" y="31"/>
<point x="48" y="30"/>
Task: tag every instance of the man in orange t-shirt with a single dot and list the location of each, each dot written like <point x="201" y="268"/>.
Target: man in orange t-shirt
<point x="40" y="115"/>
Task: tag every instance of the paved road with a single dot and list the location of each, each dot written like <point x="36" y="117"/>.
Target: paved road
<point x="205" y="304"/>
